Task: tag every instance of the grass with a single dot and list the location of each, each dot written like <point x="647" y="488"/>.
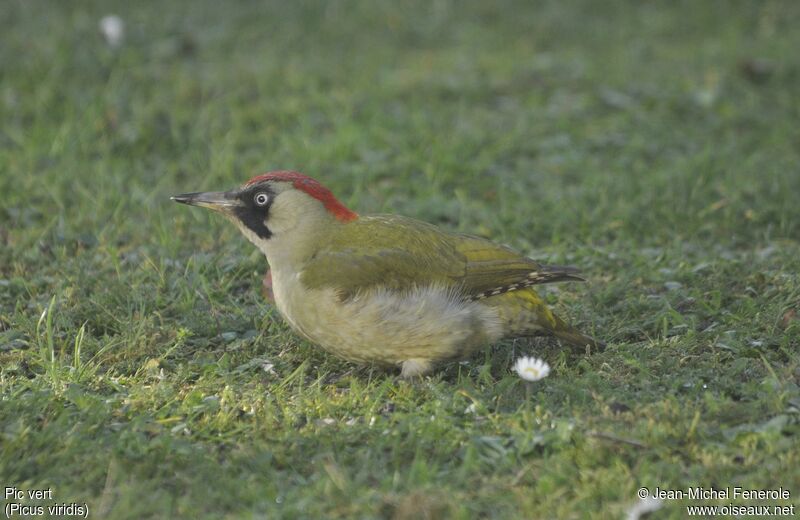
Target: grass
<point x="653" y="145"/>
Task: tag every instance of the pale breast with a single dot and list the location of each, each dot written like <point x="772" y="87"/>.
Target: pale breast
<point x="387" y="327"/>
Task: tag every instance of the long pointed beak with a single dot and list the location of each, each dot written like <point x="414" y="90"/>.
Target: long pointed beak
<point x="216" y="200"/>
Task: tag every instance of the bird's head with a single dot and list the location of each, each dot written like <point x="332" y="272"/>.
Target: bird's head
<point x="276" y="209"/>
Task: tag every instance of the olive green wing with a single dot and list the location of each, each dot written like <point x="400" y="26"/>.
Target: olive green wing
<point x="350" y="272"/>
<point x="397" y="253"/>
<point x="389" y="252"/>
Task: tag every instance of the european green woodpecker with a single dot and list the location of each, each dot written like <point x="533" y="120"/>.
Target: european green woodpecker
<point x="386" y="289"/>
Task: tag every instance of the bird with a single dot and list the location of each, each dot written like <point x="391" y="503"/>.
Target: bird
<point x="386" y="290"/>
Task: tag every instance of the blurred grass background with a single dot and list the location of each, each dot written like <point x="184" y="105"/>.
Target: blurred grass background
<point x="654" y="145"/>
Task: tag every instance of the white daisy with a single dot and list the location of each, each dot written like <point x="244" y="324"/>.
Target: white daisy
<point x="531" y="368"/>
<point x="113" y="29"/>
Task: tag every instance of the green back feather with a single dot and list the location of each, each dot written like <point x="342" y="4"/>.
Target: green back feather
<point x="400" y="253"/>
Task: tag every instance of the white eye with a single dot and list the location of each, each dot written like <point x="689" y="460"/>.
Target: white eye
<point x="261" y="199"/>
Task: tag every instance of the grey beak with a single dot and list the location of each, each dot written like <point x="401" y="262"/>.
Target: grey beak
<point x="216" y="200"/>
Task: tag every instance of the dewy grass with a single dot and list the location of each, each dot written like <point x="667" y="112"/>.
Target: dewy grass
<point x="143" y="373"/>
<point x="47" y="346"/>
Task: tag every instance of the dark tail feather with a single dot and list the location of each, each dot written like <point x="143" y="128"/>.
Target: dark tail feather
<point x="555" y="273"/>
<point x="569" y="335"/>
<point x="573" y="337"/>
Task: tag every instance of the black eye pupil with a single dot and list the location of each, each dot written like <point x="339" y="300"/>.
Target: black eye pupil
<point x="261" y="199"/>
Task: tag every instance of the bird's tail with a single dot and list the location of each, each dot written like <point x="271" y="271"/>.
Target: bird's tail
<point x="561" y="329"/>
<point x="524" y="313"/>
<point x="569" y="334"/>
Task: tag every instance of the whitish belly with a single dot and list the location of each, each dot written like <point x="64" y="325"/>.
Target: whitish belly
<point x="389" y="328"/>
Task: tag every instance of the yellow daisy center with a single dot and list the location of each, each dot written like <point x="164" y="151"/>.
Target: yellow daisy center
<point x="532" y="371"/>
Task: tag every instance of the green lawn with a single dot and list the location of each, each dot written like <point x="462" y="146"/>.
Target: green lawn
<point x="655" y="146"/>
